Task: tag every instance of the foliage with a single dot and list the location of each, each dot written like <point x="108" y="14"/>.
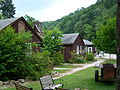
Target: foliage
<point x="76" y="58"/>
<point x="106" y="36"/>
<point x="38" y="64"/>
<point x="13" y="49"/>
<point x="85" y="20"/>
<point x="30" y="20"/>
<point x="8" y="9"/>
<point x="89" y="56"/>
<point x="57" y="58"/>
<point x="52" y="42"/>
<point x="17" y="60"/>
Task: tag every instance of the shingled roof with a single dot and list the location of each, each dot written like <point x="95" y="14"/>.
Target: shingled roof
<point x="69" y="38"/>
<point x="86" y="42"/>
<point x="5" y="22"/>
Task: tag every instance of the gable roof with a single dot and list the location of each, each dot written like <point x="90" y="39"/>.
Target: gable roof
<point x="69" y="38"/>
<point x="86" y="42"/>
<point x="5" y="22"/>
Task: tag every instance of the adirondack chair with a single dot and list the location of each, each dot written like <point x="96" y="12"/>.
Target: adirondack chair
<point x="47" y="83"/>
<point x="20" y="87"/>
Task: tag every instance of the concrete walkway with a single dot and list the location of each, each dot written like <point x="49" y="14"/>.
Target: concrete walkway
<point x="78" y="69"/>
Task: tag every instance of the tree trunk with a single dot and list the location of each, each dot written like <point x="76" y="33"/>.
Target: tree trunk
<point x="118" y="47"/>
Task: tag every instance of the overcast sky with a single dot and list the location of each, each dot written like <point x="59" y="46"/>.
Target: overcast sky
<point x="49" y="10"/>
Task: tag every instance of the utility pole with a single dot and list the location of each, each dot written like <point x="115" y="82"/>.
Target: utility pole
<point x="118" y="46"/>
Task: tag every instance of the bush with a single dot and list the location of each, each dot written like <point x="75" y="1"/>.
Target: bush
<point x="17" y="60"/>
<point x="57" y="58"/>
<point x="76" y="58"/>
<point x="39" y="64"/>
<point x="89" y="56"/>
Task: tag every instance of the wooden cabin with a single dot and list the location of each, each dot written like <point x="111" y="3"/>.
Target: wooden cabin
<point x="71" y="42"/>
<point x="20" y="24"/>
<point x="89" y="47"/>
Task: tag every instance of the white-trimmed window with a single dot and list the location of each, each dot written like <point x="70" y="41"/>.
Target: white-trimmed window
<point x="77" y="49"/>
<point x="89" y="49"/>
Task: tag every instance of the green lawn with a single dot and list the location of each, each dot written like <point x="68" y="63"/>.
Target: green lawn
<point x="82" y="79"/>
<point x="68" y="66"/>
<point x="61" y="70"/>
<point x="113" y="61"/>
<point x="85" y="79"/>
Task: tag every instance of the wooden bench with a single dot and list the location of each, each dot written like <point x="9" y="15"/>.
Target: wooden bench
<point x="20" y="87"/>
<point x="47" y="83"/>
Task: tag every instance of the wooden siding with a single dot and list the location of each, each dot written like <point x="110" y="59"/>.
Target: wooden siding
<point x="68" y="48"/>
<point x="21" y="24"/>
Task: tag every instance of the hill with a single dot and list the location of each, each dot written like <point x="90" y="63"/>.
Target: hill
<point x="85" y="20"/>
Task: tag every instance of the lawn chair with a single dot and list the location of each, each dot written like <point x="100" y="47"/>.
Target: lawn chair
<point x="47" y="83"/>
<point x="20" y="87"/>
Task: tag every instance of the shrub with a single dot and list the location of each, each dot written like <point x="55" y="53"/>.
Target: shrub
<point x="16" y="60"/>
<point x="57" y="58"/>
<point x="40" y="63"/>
<point x="89" y="56"/>
<point x="76" y="58"/>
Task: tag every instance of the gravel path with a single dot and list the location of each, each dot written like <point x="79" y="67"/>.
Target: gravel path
<point x="78" y="69"/>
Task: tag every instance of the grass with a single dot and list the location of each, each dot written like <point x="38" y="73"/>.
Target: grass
<point x="68" y="66"/>
<point x="61" y="70"/>
<point x="113" y="61"/>
<point x="82" y="79"/>
<point x="85" y="79"/>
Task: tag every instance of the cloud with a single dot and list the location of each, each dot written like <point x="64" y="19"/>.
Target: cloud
<point x="57" y="9"/>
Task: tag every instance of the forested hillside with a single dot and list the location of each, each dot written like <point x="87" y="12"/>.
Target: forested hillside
<point x="85" y="20"/>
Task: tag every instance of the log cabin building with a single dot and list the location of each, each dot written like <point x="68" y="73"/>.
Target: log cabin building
<point x="20" y="24"/>
<point x="72" y="42"/>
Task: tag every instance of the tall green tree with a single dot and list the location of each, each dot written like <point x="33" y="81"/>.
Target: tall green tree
<point x="8" y="9"/>
<point x="106" y="37"/>
<point x="52" y="42"/>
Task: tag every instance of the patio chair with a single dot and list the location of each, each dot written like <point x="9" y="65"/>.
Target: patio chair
<point x="20" y="87"/>
<point x="47" y="83"/>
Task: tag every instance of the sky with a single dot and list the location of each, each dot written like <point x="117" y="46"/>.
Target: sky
<point x="49" y="10"/>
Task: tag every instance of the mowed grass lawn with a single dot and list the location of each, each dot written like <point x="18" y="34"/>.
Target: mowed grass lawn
<point x="68" y="66"/>
<point x="82" y="79"/>
<point x="85" y="79"/>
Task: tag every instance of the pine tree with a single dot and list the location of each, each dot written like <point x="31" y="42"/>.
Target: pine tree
<point x="7" y="8"/>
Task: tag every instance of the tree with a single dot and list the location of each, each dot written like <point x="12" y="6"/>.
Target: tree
<point x="30" y="20"/>
<point x="13" y="50"/>
<point x="8" y="9"/>
<point x="118" y="46"/>
<point x="52" y="42"/>
<point x="106" y="37"/>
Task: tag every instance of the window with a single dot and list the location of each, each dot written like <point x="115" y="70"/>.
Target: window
<point x="89" y="49"/>
<point x="77" y="49"/>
